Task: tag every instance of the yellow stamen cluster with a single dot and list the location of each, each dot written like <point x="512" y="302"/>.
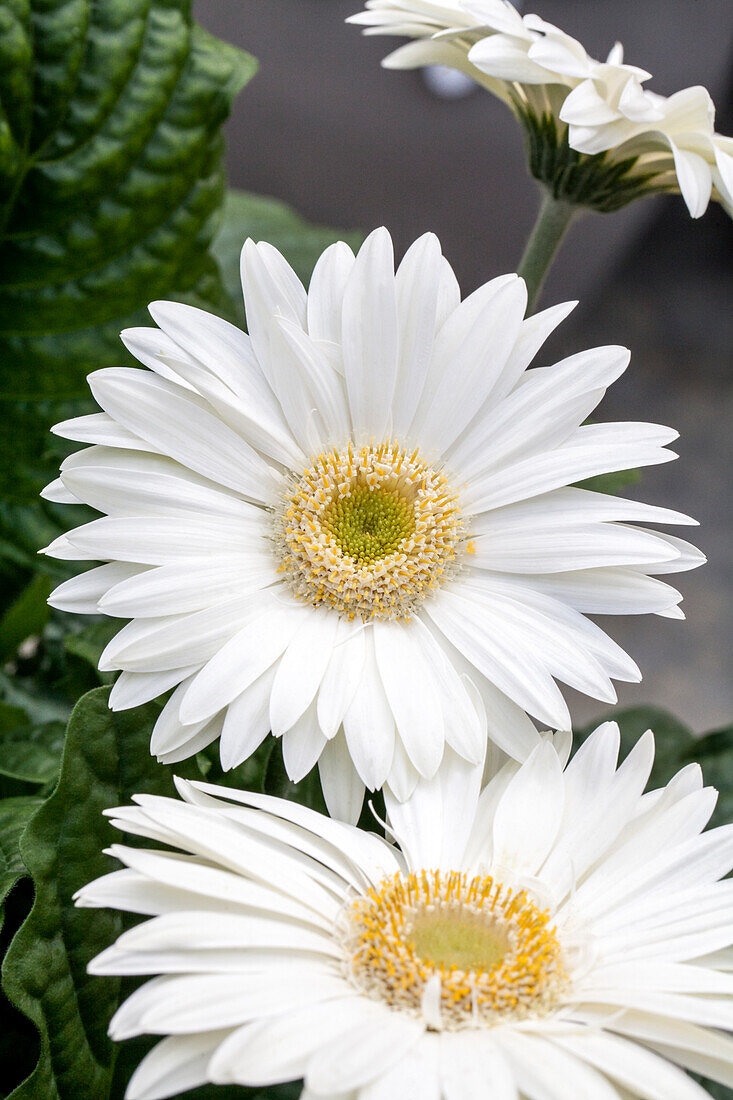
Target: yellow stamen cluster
<point x="493" y="949"/>
<point x="369" y="531"/>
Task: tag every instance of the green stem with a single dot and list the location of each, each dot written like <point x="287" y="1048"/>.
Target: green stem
<point x="553" y="222"/>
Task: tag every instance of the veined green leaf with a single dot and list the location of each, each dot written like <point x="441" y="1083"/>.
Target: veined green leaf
<point x="15" y="814"/>
<point x="111" y="179"/>
<point x="28" y="752"/>
<point x="106" y="760"/>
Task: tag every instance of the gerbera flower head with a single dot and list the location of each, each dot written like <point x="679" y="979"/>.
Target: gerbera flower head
<point x="354" y="525"/>
<point x="558" y="933"/>
<point x="596" y="136"/>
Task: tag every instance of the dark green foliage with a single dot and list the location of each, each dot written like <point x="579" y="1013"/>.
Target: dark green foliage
<point x="106" y="760"/>
<point x="613" y="483"/>
<point x="111" y="180"/>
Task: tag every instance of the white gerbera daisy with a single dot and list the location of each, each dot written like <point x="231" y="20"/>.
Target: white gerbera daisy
<point x="560" y="935"/>
<point x="320" y="528"/>
<point x="549" y="80"/>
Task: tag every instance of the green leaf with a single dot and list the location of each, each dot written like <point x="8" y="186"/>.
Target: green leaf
<point x="15" y="814"/>
<point x="30" y="753"/>
<point x="264" y="219"/>
<point x="718" y="1092"/>
<point x="24" y="618"/>
<point x="111" y="179"/>
<point x="714" y="752"/>
<point x="611" y="483"/>
<point x="106" y="760"/>
<point x="89" y="643"/>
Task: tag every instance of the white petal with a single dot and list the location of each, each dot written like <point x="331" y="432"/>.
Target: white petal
<point x="301" y="669"/>
<point x="507" y="59"/>
<point x="403" y="777"/>
<point x="135" y="483"/>
<point x="82" y="594"/>
<point x="174" y="1065"/>
<point x="326" y="292"/>
<point x="472" y="1066"/>
<point x="528" y="816"/>
<point x="343" y="790"/>
<point x="409" y="685"/>
<point x="370" y="336"/>
<point x="247" y="721"/>
<point x="433" y="825"/>
<point x="132" y="689"/>
<point x="415" y="1075"/>
<point x="695" y="179"/>
<point x="102" y="429"/>
<point x="181" y="425"/>
<point x="541" y="412"/>
<point x="418" y="282"/>
<point x="459" y="322"/>
<point x="304" y="362"/>
<point x="644" y="1073"/>
<point x="57" y="493"/>
<point x="533" y="332"/>
<point x="189" y="586"/>
<point x="594" y="449"/>
<point x="162" y="539"/>
<point x="269" y="1052"/>
<point x="241" y="660"/>
<point x="475" y="367"/>
<point x="357" y="1056"/>
<point x="508" y="668"/>
<point x="154" y="645"/>
<point x="545" y="1071"/>
<point x="366" y="852"/>
<point x="302" y="745"/>
<point x="234" y="386"/>
<point x="206" y="1002"/>
<point x="342" y="677"/>
<point x="369" y="723"/>
<point x="270" y="287"/>
<point x="464" y="720"/>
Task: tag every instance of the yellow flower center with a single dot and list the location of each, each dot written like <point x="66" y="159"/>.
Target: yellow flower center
<point x="371" y="532"/>
<point x="493" y="949"/>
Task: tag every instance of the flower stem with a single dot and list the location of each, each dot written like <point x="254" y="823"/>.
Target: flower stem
<point x="549" y="230"/>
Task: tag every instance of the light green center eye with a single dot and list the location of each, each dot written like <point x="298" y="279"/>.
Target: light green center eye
<point x="369" y="524"/>
<point x="459" y="939"/>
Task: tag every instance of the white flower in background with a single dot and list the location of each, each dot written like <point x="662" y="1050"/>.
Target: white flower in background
<point x="323" y="528"/>
<point x="544" y="74"/>
<point x="560" y="935"/>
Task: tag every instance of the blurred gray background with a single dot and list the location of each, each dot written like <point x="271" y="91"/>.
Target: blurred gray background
<point x="348" y="144"/>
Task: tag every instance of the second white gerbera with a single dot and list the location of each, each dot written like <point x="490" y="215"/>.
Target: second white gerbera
<point x="323" y="527"/>
<point x="561" y="937"/>
<point x="641" y="141"/>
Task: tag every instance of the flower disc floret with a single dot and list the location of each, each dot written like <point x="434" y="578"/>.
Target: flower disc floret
<point x="368" y="531"/>
<point x="492" y="949"/>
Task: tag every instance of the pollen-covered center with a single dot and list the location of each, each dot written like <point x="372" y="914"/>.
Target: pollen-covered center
<point x="369" y="524"/>
<point x="369" y="531"/>
<point x="493" y="950"/>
